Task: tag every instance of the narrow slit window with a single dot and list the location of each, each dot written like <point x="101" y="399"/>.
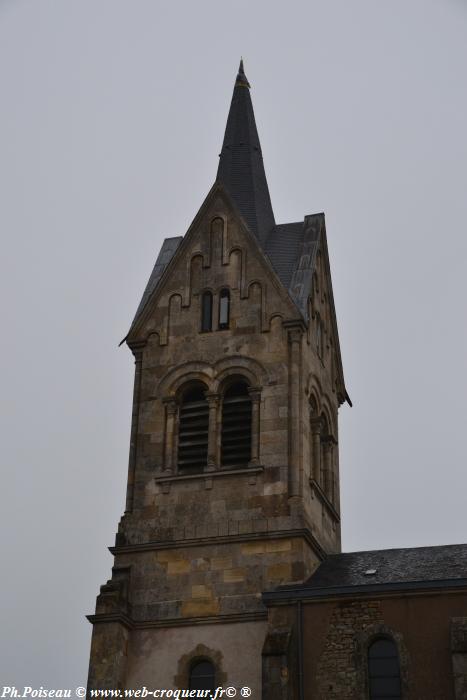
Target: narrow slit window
<point x="203" y="676"/>
<point x="193" y="429"/>
<point x="224" y="309"/>
<point x="236" y="426"/>
<point x="383" y="670"/>
<point x="206" y="312"/>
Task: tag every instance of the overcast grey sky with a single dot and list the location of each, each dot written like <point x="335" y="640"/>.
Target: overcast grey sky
<point x="111" y="122"/>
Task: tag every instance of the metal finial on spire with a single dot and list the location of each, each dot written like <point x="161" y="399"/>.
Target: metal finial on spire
<point x="242" y="80"/>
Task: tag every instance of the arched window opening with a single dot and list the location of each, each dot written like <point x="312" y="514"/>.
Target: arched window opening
<point x="193" y="428"/>
<point x="202" y="676"/>
<point x="206" y="312"/>
<point x="384" y="677"/>
<point x="236" y="426"/>
<point x="224" y="309"/>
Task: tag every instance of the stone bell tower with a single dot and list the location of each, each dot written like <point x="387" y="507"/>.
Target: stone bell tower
<point x="233" y="479"/>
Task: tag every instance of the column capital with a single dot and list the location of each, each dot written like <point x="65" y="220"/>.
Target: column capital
<point x="212" y="398"/>
<point x="255" y="393"/>
<point x="137" y="348"/>
<point x="295" y="329"/>
<point x="170" y="404"/>
<point x="316" y="424"/>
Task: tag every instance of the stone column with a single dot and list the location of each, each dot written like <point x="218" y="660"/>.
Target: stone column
<point x="315" y="425"/>
<point x="138" y="355"/>
<point x="213" y="403"/>
<point x="327" y="486"/>
<point x="255" y="396"/>
<point x="295" y="335"/>
<point x="170" y="413"/>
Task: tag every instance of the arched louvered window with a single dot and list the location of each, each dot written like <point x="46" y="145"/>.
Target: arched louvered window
<point x="224" y="309"/>
<point x="206" y="311"/>
<point x="384" y="678"/>
<point x="193" y="425"/>
<point x="236" y="426"/>
<point x="203" y="676"/>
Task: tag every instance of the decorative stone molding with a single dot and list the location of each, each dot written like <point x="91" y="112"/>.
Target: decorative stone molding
<point x="163" y="479"/>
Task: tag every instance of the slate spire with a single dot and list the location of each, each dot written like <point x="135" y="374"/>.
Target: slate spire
<point x="241" y="168"/>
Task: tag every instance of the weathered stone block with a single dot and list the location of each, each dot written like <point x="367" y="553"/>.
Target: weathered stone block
<point x="178" y="567"/>
<point x="280" y="572"/>
<point x="234" y="575"/>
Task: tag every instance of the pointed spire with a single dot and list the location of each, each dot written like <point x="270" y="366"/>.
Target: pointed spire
<point x="241" y="77"/>
<point x="241" y="168"/>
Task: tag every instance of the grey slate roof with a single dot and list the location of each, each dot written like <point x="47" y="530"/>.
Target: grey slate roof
<point x="289" y="247"/>
<point x="241" y="168"/>
<point x="169" y="246"/>
<point x="283" y="249"/>
<point x="382" y="570"/>
<point x="391" y="566"/>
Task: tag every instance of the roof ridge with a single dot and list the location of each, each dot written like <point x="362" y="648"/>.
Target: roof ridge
<point x="399" y="549"/>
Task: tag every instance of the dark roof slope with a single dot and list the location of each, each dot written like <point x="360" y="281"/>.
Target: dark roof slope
<point x="283" y="248"/>
<point x="241" y="168"/>
<point x="380" y="571"/>
<point x="169" y="246"/>
<point x="290" y="247"/>
<point x="391" y="566"/>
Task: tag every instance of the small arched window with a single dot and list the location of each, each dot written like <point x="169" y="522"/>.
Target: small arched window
<point x="193" y="428"/>
<point x="224" y="309"/>
<point x="236" y="426"/>
<point x="206" y="311"/>
<point x="384" y="678"/>
<point x="202" y="676"/>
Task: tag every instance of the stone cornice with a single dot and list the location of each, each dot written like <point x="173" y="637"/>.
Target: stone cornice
<point x="224" y="539"/>
<point x="109" y="618"/>
<point x="368" y="592"/>
<point x="119" y="618"/>
<point x="324" y="500"/>
<point x="210" y="475"/>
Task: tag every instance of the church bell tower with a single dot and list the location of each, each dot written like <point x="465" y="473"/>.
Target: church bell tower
<point x="233" y="478"/>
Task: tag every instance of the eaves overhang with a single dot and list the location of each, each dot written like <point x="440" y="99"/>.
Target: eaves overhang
<point x="284" y="596"/>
